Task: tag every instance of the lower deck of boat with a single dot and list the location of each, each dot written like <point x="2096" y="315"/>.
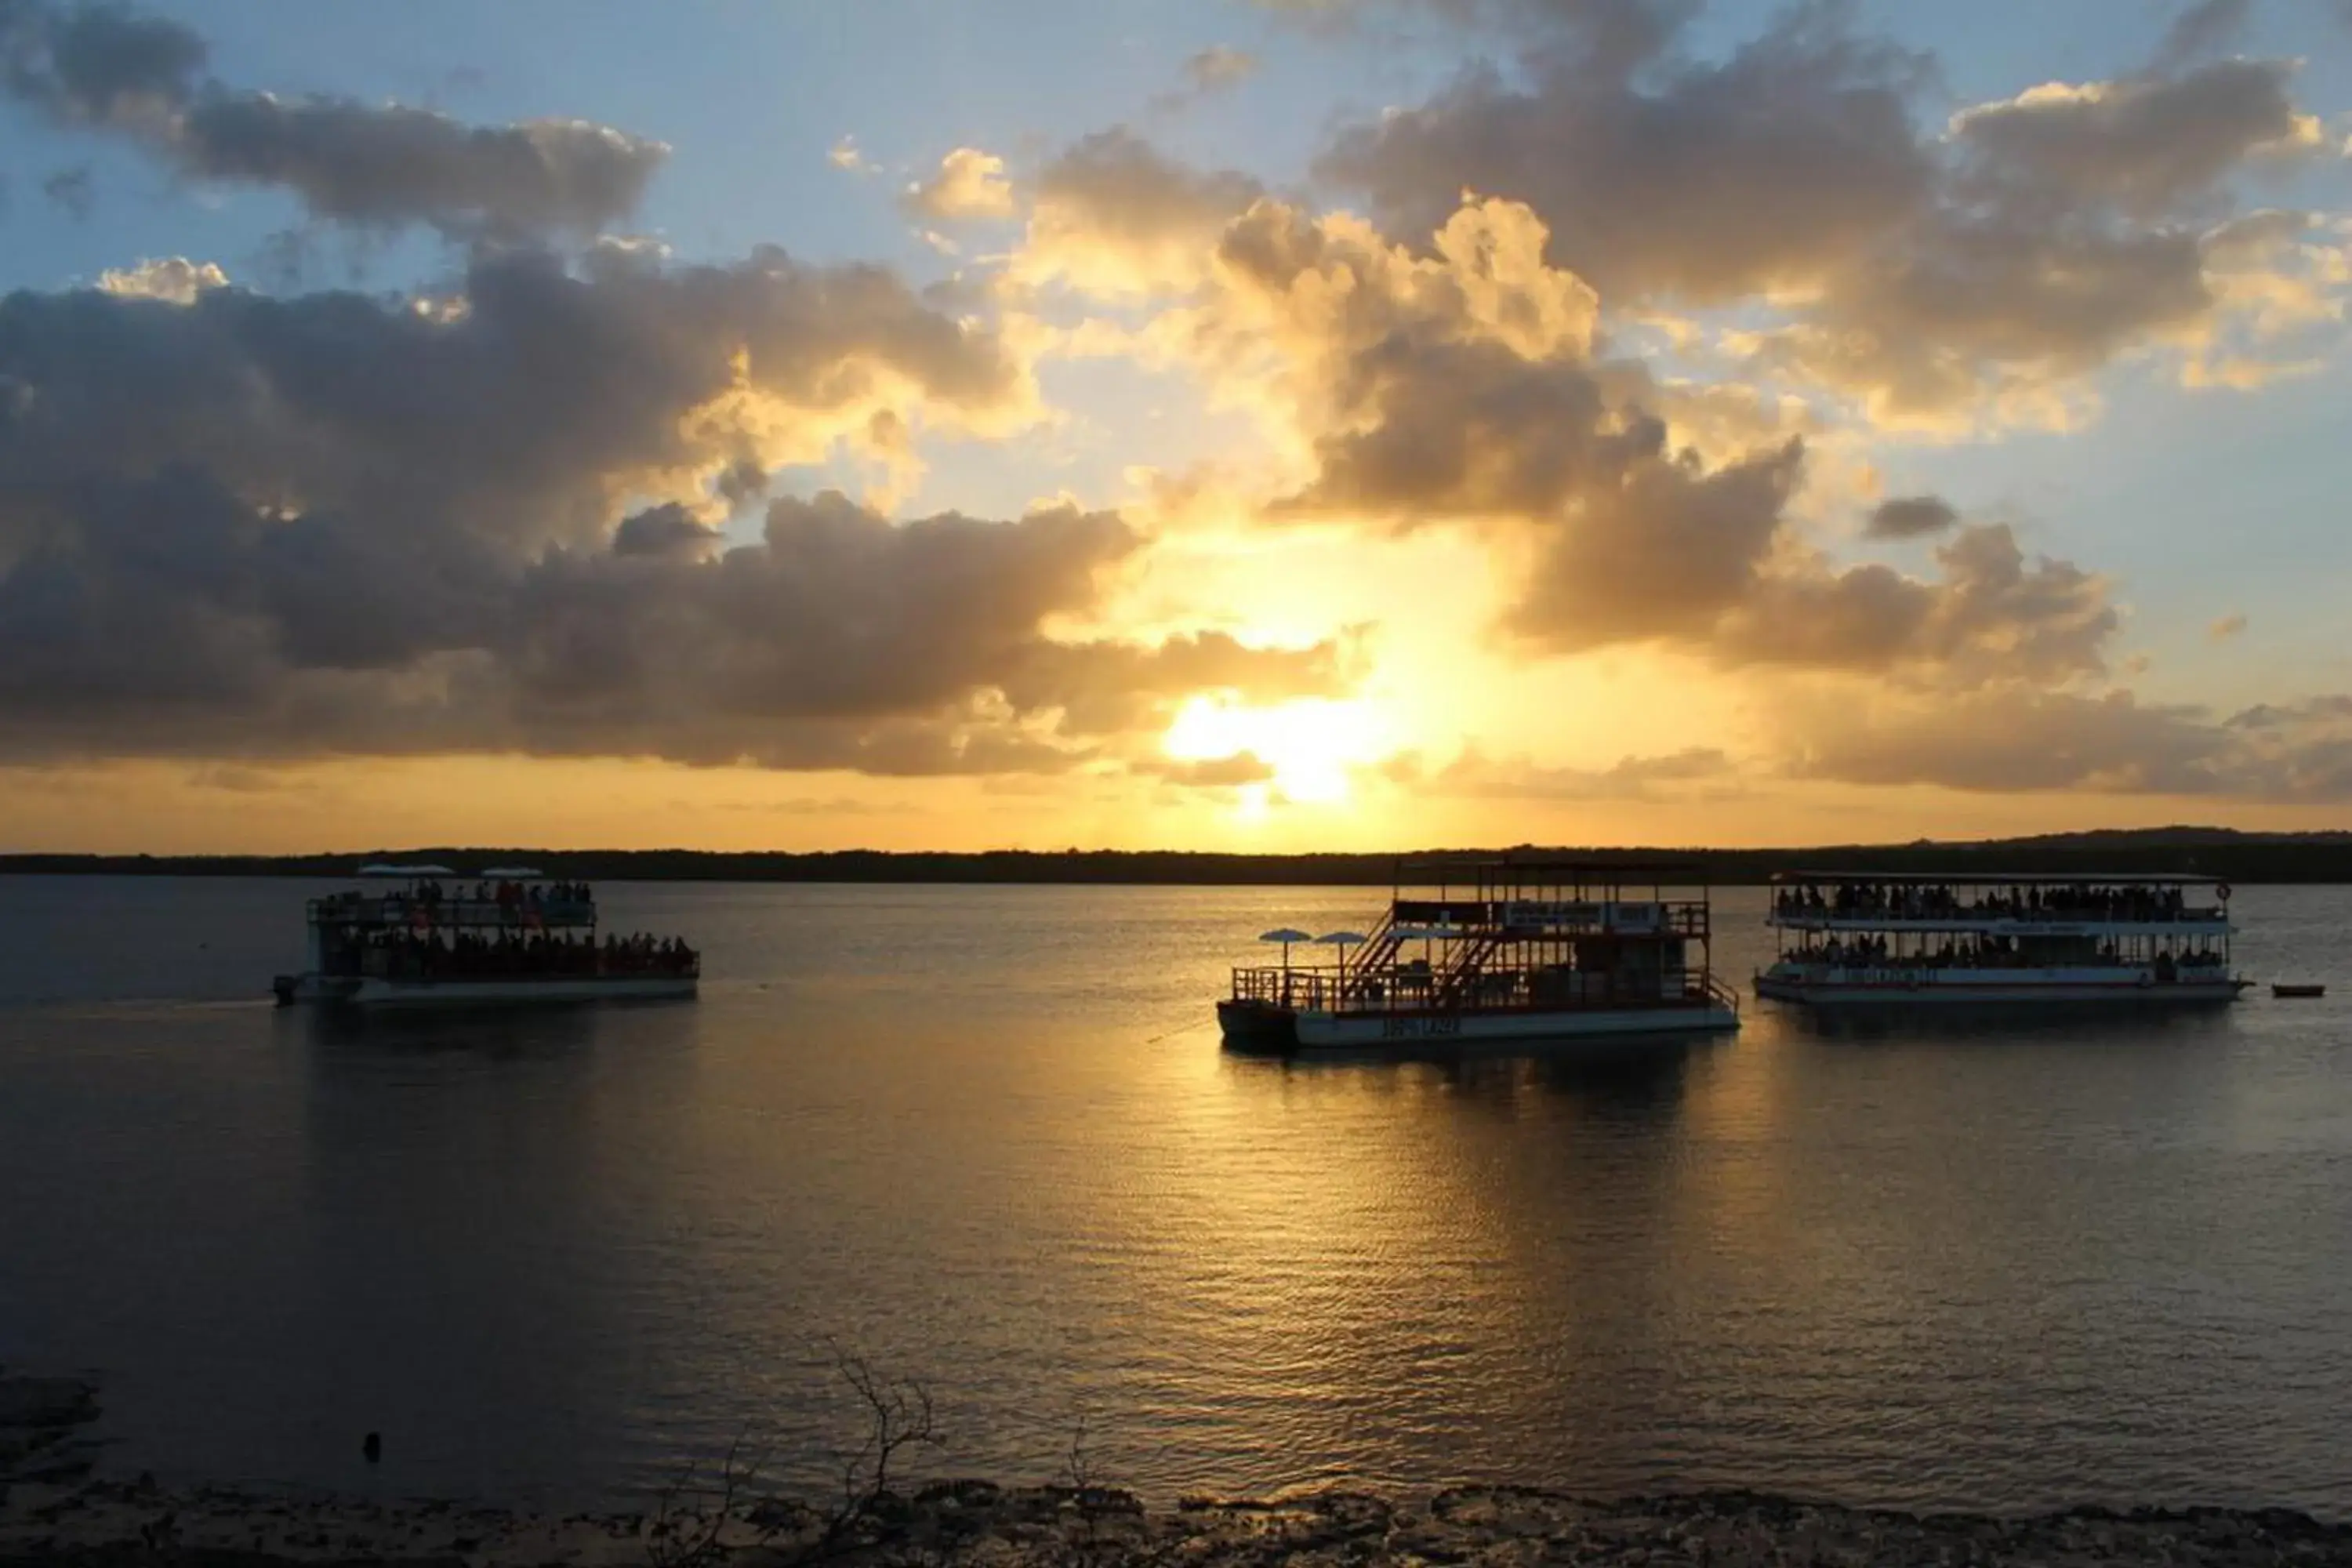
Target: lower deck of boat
<point x="1944" y="991"/>
<point x="535" y="990"/>
<point x="1267" y="1027"/>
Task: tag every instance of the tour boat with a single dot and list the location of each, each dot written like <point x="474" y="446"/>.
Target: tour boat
<point x="507" y="936"/>
<point x="1496" y="951"/>
<point x="1851" y="938"/>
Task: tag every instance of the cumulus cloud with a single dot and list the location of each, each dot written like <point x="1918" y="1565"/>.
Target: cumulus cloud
<point x="2144" y="145"/>
<point x="1462" y="384"/>
<point x="1112" y="215"/>
<point x="171" y="618"/>
<point x="175" y="280"/>
<point x="521" y="408"/>
<point x="1936" y="282"/>
<point x="1703" y="180"/>
<point x="105" y="70"/>
<point x="1989" y="613"/>
<point x="335" y="522"/>
<point x="969" y="184"/>
<point x="667" y="530"/>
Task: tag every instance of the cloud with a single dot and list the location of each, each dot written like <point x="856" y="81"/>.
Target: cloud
<point x="1938" y="284"/>
<point x="2233" y="625"/>
<point x="173" y="618"/>
<point x="1213" y="773"/>
<point x="1461" y="385"/>
<point x="1988" y="614"/>
<point x="670" y="529"/>
<point x="970" y="184"/>
<point x="1703" y="181"/>
<point x="1911" y="517"/>
<point x="2143" y="145"/>
<point x="73" y="192"/>
<point x="2206" y="27"/>
<point x="482" y="522"/>
<point x="1695" y="772"/>
<point x="1218" y="69"/>
<point x="521" y="409"/>
<point x="846" y="155"/>
<point x="2014" y="738"/>
<point x="174" y="279"/>
<point x="103" y="70"/>
<point x="1221" y="66"/>
<point x="1112" y="216"/>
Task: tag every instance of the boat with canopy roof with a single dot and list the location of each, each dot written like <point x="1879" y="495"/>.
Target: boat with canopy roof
<point x="1498" y="950"/>
<point x="420" y="936"/>
<point x="1848" y="938"/>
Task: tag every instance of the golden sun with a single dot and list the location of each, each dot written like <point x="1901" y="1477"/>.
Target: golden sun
<point x="1313" y="746"/>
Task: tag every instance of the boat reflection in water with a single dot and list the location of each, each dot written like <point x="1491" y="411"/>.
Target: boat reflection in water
<point x="1495" y="951"/>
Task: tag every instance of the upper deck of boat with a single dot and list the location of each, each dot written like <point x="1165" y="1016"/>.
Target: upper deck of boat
<point x="1530" y="898"/>
<point x="503" y="900"/>
<point x="2000" y="903"/>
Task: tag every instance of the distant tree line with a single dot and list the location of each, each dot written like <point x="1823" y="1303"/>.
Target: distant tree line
<point x="2215" y="852"/>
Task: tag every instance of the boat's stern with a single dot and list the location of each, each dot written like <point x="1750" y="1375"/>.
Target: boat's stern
<point x="1249" y="1024"/>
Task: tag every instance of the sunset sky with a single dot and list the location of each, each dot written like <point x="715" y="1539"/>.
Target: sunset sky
<point x="1300" y="424"/>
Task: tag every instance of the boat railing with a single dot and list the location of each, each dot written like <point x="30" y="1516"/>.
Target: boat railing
<point x="403" y="910"/>
<point x="1528" y="917"/>
<point x="1972" y="917"/>
<point x="1410" y="988"/>
<point x="1721" y="995"/>
<point x="1315" y="988"/>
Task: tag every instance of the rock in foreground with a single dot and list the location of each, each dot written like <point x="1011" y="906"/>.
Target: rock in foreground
<point x="111" y="1525"/>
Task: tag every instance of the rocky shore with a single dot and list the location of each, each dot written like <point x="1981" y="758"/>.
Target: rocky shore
<point x="55" y="1511"/>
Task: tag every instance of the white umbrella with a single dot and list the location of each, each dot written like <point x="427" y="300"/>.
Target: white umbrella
<point x="1285" y="935"/>
<point x="1343" y="941"/>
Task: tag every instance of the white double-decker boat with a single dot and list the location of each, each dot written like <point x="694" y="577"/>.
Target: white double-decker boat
<point x="1849" y="938"/>
<point x="1495" y="951"/>
<point x="507" y="936"/>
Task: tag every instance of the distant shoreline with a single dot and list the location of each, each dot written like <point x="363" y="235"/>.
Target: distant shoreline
<point x="2237" y="857"/>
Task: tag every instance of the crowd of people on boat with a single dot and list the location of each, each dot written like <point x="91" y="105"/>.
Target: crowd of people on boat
<point x="1985" y="952"/>
<point x="1932" y="901"/>
<point x="512" y="898"/>
<point x="401" y="954"/>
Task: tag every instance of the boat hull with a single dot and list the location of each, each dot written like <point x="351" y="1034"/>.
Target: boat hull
<point x="553" y="990"/>
<point x="2066" y="989"/>
<point x="1259" y="1026"/>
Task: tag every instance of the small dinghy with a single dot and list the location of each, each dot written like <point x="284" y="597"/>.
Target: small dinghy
<point x="2286" y="992"/>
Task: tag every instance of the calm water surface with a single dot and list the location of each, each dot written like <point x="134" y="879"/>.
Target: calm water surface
<point x="987" y="1137"/>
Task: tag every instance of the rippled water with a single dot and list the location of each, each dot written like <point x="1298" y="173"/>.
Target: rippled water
<point x="986" y="1136"/>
